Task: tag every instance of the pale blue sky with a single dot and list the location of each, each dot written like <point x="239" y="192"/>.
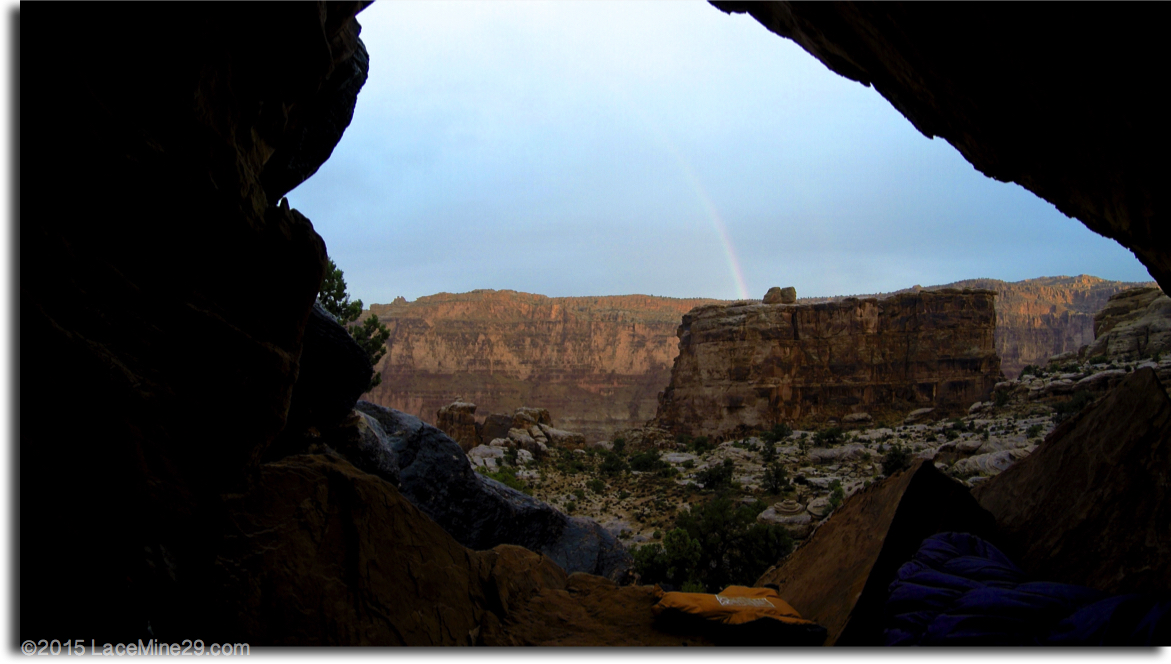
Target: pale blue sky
<point x="608" y="148"/>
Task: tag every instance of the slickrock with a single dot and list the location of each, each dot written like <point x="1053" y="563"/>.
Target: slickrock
<point x="1091" y="504"/>
<point x="749" y="366"/>
<point x="598" y="362"/>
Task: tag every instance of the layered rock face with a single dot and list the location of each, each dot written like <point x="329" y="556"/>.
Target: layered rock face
<point x="598" y="362"/>
<point x="1039" y="318"/>
<point x="1068" y="114"/>
<point x="748" y="365"/>
<point x="1134" y="324"/>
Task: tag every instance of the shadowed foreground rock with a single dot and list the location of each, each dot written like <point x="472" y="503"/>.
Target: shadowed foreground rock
<point x="1092" y="504"/>
<point x="839" y="577"/>
<point x="163" y="289"/>
<point x="436" y="476"/>
<point x="319" y="553"/>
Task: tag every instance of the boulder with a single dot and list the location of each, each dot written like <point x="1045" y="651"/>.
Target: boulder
<point x="849" y="451"/>
<point x="458" y="420"/>
<point x="318" y="553"/>
<point x="563" y="438"/>
<point x="791" y="515"/>
<point x="335" y="371"/>
<point x="920" y="413"/>
<point x="438" y="478"/>
<point x="778" y="295"/>
<point x="532" y="416"/>
<point x="361" y="441"/>
<point x="853" y="418"/>
<point x="486" y="456"/>
<point x="839" y="576"/>
<point x="991" y="463"/>
<point x="1090" y="506"/>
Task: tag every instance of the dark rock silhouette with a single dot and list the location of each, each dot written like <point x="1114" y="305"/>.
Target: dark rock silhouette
<point x="1066" y="113"/>
<point x="1090" y="506"/>
<point x="480" y="512"/>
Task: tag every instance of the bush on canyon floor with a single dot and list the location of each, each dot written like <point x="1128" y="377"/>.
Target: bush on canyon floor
<point x="714" y="545"/>
<point x="612" y="464"/>
<point x="778" y="433"/>
<point x="1032" y="370"/>
<point x="700" y="444"/>
<point x="507" y="477"/>
<point x="716" y="477"/>
<point x="896" y="458"/>
<point x="775" y="478"/>
<point x="1001" y="398"/>
<point x="619" y="446"/>
<point x="1066" y="410"/>
<point x="829" y="437"/>
<point x="649" y="461"/>
<point x="1034" y="431"/>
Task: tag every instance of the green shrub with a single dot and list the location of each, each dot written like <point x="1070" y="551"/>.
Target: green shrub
<point x="510" y="455"/>
<point x="836" y="495"/>
<point x="570" y="507"/>
<point x="700" y="444"/>
<point x="775" y="478"/>
<point x="778" y="433"/>
<point x="1066" y="410"/>
<point x="612" y="464"/>
<point x="596" y="485"/>
<point x="716" y="477"/>
<point x="1031" y="370"/>
<point x="619" y="446"/>
<point x="951" y="434"/>
<point x="829" y="437"/>
<point x="896" y="458"/>
<point x="1034" y="431"/>
<point x="646" y="462"/>
<point x="507" y="477"/>
<point x="579" y="493"/>
<point x="1097" y="359"/>
<point x="689" y="464"/>
<point x="1001" y="398"/>
<point x="715" y="545"/>
<point x="623" y="495"/>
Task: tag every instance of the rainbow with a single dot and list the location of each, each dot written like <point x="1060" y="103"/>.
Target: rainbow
<point x="718" y="222"/>
<point x="705" y="200"/>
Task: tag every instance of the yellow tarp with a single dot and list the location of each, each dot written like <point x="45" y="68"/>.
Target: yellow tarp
<point x="734" y="605"/>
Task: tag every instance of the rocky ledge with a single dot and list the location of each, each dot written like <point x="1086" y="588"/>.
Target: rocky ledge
<point x="748" y="365"/>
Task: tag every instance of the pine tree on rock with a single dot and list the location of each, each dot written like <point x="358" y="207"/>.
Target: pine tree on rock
<point x="370" y="335"/>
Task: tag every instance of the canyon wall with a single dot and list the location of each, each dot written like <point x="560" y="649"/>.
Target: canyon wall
<point x="596" y="363"/>
<point x="1036" y="318"/>
<point x="749" y="365"/>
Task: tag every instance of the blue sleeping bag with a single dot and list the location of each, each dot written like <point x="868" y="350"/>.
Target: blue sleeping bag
<point x="960" y="590"/>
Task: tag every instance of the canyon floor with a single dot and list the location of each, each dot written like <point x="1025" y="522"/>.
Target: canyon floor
<point x="640" y="506"/>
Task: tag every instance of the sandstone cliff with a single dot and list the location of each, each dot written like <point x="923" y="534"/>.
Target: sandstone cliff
<point x="1037" y="318"/>
<point x="750" y="365"/>
<point x="597" y="362"/>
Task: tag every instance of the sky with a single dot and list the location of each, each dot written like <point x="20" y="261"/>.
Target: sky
<point x="661" y="148"/>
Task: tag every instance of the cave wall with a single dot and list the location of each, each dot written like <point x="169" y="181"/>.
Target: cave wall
<point x="1060" y="100"/>
<point x="164" y="289"/>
